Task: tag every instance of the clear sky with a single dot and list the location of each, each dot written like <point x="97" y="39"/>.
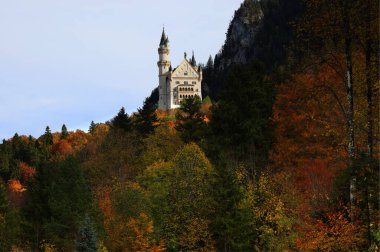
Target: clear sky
<point x="73" y="61"/>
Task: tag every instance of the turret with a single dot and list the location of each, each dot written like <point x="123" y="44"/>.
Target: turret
<point x="164" y="72"/>
<point x="163" y="52"/>
<point x="192" y="61"/>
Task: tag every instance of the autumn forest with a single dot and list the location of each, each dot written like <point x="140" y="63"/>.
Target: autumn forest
<point x="282" y="153"/>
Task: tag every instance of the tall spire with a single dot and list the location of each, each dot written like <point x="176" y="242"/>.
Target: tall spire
<point x="164" y="39"/>
<point x="193" y="62"/>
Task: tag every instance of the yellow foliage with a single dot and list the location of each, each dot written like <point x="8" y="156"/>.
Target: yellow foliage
<point x="139" y="235"/>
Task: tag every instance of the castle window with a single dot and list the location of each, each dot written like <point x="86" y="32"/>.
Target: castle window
<point x="180" y="96"/>
<point x="192" y="89"/>
<point x="185" y="73"/>
<point x="186" y="82"/>
<point x="194" y="82"/>
<point x="177" y="82"/>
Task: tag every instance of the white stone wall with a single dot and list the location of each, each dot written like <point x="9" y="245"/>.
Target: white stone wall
<point x="176" y="85"/>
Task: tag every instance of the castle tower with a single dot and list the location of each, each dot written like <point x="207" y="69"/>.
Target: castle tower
<point x="163" y="72"/>
<point x="178" y="84"/>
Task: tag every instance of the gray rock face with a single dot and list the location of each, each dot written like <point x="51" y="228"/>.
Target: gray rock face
<point x="238" y="48"/>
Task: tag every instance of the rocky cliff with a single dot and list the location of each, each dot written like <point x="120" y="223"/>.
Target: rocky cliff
<point x="261" y="30"/>
<point x="240" y="35"/>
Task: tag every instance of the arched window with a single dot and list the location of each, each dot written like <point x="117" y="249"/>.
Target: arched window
<point x="192" y="89"/>
<point x="180" y="96"/>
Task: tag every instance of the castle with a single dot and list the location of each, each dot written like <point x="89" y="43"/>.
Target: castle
<point x="179" y="83"/>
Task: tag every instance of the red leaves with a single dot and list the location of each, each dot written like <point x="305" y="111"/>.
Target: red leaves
<point x="309" y="121"/>
<point x="334" y="233"/>
<point x="62" y="148"/>
<point x="310" y="145"/>
<point x="27" y="172"/>
<point x="315" y="181"/>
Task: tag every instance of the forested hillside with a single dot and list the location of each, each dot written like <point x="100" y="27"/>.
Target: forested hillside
<point x="282" y="154"/>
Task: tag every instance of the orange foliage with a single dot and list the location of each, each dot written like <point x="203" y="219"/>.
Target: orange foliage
<point x="62" y="148"/>
<point x="27" y="172"/>
<point x="140" y="231"/>
<point x="310" y="148"/>
<point x="16" y="194"/>
<point x="161" y="114"/>
<point x="78" y="139"/>
<point x="16" y="186"/>
<point x="336" y="233"/>
<point x="309" y="120"/>
<point x="114" y="227"/>
<point x="56" y="137"/>
<point x="171" y="124"/>
<point x="104" y="198"/>
<point x="315" y="181"/>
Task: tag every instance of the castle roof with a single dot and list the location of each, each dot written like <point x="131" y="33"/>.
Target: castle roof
<point x="192" y="61"/>
<point x="164" y="39"/>
<point x="185" y="66"/>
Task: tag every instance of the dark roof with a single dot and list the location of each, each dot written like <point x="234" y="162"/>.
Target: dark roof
<point x="164" y="39"/>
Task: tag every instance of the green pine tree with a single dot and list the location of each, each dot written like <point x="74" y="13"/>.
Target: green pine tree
<point x="47" y="138"/>
<point x="122" y="121"/>
<point x="58" y="198"/>
<point x="231" y="224"/>
<point x="9" y="222"/>
<point x="86" y="239"/>
<point x="146" y="120"/>
<point x="64" y="132"/>
<point x="241" y="118"/>
<point x="92" y="128"/>
<point x="190" y="120"/>
<point x="210" y="63"/>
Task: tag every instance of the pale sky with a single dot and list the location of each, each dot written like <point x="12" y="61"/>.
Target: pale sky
<point x="73" y="61"/>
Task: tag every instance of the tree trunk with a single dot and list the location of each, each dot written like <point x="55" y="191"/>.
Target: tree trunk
<point x="369" y="82"/>
<point x="368" y="54"/>
<point x="350" y="101"/>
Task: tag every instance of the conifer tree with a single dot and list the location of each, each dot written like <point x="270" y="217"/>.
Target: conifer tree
<point x="230" y="223"/>
<point x="92" y="128"/>
<point x="57" y="199"/>
<point x="47" y="137"/>
<point x="9" y="222"/>
<point x="146" y="120"/>
<point x="64" y="132"/>
<point x="190" y="120"/>
<point x="210" y="63"/>
<point x="122" y="121"/>
<point x="3" y="212"/>
<point x="87" y="239"/>
<point x="241" y="118"/>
